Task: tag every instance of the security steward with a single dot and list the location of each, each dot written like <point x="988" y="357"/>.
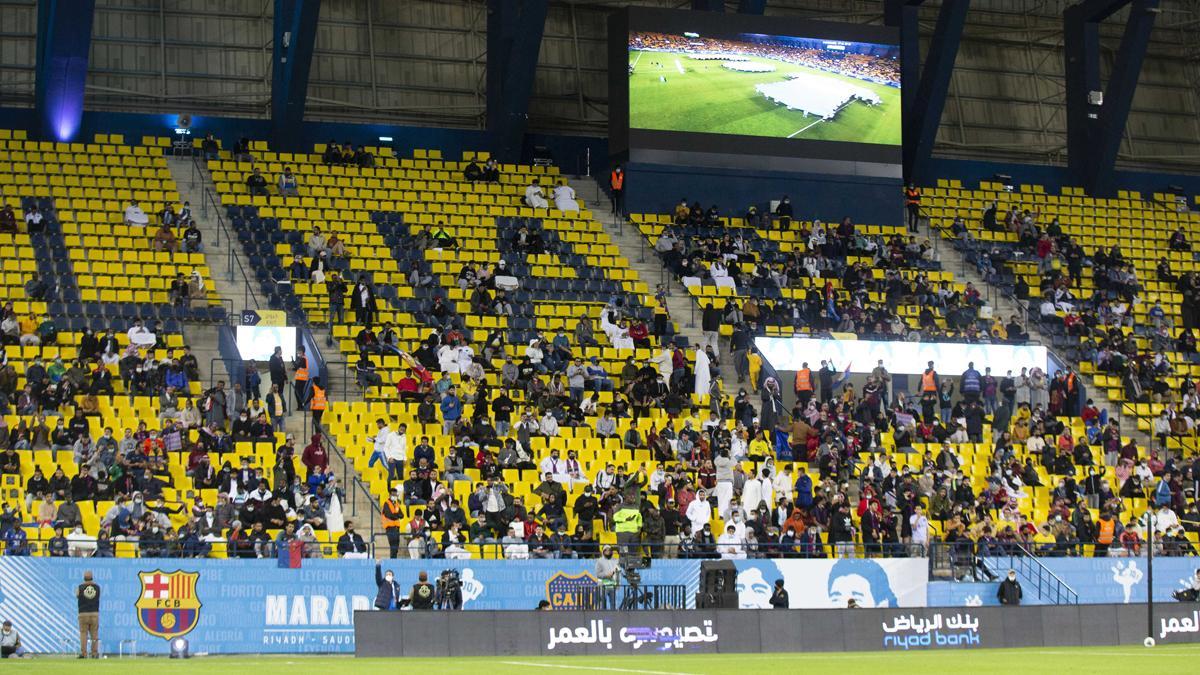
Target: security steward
<point x="627" y="522"/>
<point x="88" y="597"/>
<point x="912" y="203"/>
<point x="317" y="403"/>
<point x="804" y="386"/>
<point x="423" y="593"/>
<point x="300" y="384"/>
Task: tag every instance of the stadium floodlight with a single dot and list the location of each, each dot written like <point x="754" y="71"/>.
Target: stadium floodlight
<point x="691" y="35"/>
<point x="385" y="139"/>
<point x="179" y="649"/>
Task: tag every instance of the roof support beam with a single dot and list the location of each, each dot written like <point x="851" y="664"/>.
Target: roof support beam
<point x="514" y="39"/>
<point x="1096" y="115"/>
<point x="923" y="95"/>
<point x="295" y="38"/>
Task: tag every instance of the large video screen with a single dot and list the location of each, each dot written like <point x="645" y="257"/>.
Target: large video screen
<point x="776" y="86"/>
<point x="767" y="93"/>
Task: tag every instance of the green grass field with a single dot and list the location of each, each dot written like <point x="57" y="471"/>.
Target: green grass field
<point x="708" y="98"/>
<point x="1091" y="660"/>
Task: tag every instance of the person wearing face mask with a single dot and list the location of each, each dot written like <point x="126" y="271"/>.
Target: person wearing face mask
<point x="387" y="598"/>
<point x="152" y="542"/>
<point x="1009" y="592"/>
<point x="351" y="544"/>
<point x="608" y="572"/>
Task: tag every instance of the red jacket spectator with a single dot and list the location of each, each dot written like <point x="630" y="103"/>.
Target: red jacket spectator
<point x="315" y="455"/>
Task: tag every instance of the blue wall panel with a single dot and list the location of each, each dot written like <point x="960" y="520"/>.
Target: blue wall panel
<point x="656" y="188"/>
<point x="253" y="606"/>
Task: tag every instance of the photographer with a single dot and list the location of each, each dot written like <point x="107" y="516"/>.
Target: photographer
<point x="423" y="593"/>
<point x="449" y="590"/>
<point x="608" y="572"/>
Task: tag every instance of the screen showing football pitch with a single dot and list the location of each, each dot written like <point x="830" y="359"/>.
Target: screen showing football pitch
<point x="773" y="86"/>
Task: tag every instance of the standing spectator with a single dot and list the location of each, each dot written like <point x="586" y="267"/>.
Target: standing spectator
<point x="88" y="600"/>
<point x="783" y="212"/>
<point x="387" y="598"/>
<point x="779" y="597"/>
<point x="1009" y="592"/>
<point x="315" y="456"/>
<point x="390" y="449"/>
<point x="336" y="289"/>
<point x="362" y="301"/>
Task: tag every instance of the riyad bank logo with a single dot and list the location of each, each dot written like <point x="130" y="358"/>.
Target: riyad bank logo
<point x="565" y="591"/>
<point x="168" y="605"/>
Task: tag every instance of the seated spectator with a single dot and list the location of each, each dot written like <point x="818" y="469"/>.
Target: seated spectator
<point x="193" y="239"/>
<point x="34" y="220"/>
<point x="8" y="220"/>
<point x="37" y="288"/>
<point x="288" y="187"/>
<point x="135" y="216"/>
<point x="535" y="197"/>
<point x="165" y="240"/>
<point x="256" y="184"/>
<point x="564" y="197"/>
<point x="1179" y="241"/>
<point x="363" y="158"/>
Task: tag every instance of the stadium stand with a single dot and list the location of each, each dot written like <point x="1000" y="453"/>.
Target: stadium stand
<point x="1121" y="305"/>
<point x="786" y="277"/>
<point x="101" y="397"/>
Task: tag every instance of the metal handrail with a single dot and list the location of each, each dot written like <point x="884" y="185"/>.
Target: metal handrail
<point x="1028" y="560"/>
<point x="208" y="197"/>
<point x="351" y="477"/>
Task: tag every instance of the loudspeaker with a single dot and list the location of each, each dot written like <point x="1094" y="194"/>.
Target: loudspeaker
<point x="728" y="600"/>
<point x="718" y="576"/>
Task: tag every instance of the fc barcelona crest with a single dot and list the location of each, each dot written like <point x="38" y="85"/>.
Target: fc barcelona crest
<point x="168" y="605"/>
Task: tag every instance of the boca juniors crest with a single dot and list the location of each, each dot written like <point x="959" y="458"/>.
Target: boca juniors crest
<point x="564" y="590"/>
<point x="168" y="605"/>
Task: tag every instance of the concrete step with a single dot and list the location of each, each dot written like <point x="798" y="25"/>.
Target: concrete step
<point x="233" y="281"/>
<point x="634" y="247"/>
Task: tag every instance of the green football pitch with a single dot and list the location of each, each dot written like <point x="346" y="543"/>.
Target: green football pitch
<point x="1091" y="660"/>
<point x="672" y="92"/>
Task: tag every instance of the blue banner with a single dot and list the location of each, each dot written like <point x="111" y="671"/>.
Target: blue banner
<point x="253" y="606"/>
<point x="1096" y="580"/>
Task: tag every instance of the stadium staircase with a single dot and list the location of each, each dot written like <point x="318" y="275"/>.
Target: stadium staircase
<point x="683" y="309"/>
<point x="1004" y="304"/>
<point x="232" y="283"/>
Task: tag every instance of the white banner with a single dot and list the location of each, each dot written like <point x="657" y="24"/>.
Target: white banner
<point x="831" y="583"/>
<point x="900" y="357"/>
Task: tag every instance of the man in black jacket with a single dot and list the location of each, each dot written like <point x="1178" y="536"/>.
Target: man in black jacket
<point x="388" y="595"/>
<point x="351" y="541"/>
<point x="1009" y="592"/>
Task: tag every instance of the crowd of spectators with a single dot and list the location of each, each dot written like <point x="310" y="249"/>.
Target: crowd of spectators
<point x="875" y="68"/>
<point x="699" y="248"/>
